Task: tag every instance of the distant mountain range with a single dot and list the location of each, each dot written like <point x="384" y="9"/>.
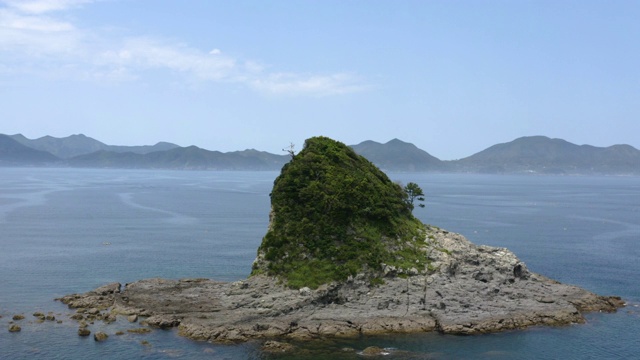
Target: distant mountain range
<point x="75" y="145"/>
<point x="14" y="153"/>
<point x="526" y="155"/>
<point x="397" y="155"/>
<point x="540" y="154"/>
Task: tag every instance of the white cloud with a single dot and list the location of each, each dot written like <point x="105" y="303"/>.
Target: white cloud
<point x="154" y="53"/>
<point x="317" y="85"/>
<point x="16" y="21"/>
<point x="29" y="36"/>
<point x="32" y="34"/>
<point x="43" y="6"/>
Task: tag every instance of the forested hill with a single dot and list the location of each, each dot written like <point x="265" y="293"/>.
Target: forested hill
<point x="12" y="153"/>
<point x="76" y="145"/>
<point x="397" y="155"/>
<point x="540" y="154"/>
<point x="183" y="158"/>
<point x="525" y="155"/>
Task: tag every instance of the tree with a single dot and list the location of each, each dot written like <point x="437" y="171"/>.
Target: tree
<point x="291" y="150"/>
<point x="414" y="192"/>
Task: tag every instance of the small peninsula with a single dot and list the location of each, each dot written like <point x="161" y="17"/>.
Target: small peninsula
<point x="343" y="256"/>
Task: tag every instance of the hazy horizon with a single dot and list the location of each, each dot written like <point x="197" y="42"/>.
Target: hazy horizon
<point x="453" y="78"/>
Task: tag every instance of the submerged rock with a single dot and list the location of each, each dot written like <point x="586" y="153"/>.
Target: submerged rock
<point x="273" y="346"/>
<point x="374" y="351"/>
<point x="139" y="331"/>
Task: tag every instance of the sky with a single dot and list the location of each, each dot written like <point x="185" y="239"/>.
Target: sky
<point x="452" y="77"/>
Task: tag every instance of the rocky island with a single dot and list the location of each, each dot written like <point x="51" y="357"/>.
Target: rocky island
<point x="344" y="256"/>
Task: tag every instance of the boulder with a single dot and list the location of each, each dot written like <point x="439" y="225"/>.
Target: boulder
<point x="100" y="336"/>
<point x="108" y="289"/>
<point x="93" y="311"/>
<point x="162" y="321"/>
<point x="14" y="328"/>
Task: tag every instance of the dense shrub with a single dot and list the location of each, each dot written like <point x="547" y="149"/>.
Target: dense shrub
<point x="335" y="214"/>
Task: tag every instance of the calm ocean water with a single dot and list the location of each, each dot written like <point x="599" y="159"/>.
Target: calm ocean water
<point x="67" y="230"/>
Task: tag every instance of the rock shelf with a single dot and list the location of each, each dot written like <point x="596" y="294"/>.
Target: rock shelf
<point x="470" y="289"/>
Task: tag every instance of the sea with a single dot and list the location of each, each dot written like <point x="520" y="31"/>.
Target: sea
<point x="66" y="231"/>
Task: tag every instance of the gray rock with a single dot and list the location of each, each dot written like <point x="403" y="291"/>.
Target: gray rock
<point x="374" y="351"/>
<point x="465" y="289"/>
<point x="108" y="289"/>
<point x="100" y="336"/>
<point x="305" y="291"/>
<point x="162" y="321"/>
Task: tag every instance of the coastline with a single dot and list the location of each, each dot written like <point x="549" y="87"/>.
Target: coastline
<point x="471" y="289"/>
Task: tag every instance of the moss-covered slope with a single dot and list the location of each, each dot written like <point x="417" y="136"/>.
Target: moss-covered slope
<point x="335" y="214"/>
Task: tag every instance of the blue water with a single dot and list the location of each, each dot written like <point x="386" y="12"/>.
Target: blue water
<point x="67" y="230"/>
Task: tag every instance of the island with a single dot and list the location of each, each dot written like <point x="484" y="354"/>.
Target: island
<point x="343" y="256"/>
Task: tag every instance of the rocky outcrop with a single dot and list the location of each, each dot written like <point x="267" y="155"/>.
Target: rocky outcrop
<point x="466" y="289"/>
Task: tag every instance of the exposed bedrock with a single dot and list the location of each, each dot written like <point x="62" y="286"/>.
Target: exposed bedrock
<point x="469" y="289"/>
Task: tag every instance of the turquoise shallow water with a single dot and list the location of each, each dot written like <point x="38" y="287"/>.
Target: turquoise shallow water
<point x="68" y="230"/>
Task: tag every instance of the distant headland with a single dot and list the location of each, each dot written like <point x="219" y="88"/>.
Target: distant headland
<point x="525" y="155"/>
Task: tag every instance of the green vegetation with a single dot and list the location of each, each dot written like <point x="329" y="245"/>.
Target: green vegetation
<point x="334" y="214"/>
<point x="414" y="192"/>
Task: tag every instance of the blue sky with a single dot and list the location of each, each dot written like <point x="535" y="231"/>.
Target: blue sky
<point x="452" y="77"/>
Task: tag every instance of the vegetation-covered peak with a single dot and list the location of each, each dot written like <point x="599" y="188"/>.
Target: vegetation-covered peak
<point x="335" y="214"/>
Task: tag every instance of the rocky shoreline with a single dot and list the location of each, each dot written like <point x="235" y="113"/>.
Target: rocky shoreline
<point x="468" y="289"/>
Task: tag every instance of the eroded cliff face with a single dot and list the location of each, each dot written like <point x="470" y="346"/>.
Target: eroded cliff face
<point x="468" y="289"/>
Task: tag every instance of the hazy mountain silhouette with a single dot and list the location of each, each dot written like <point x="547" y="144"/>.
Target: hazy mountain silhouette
<point x="192" y="158"/>
<point x="12" y="153"/>
<point x="540" y="154"/>
<point x="80" y="144"/>
<point x="532" y="154"/>
<point x="397" y="155"/>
